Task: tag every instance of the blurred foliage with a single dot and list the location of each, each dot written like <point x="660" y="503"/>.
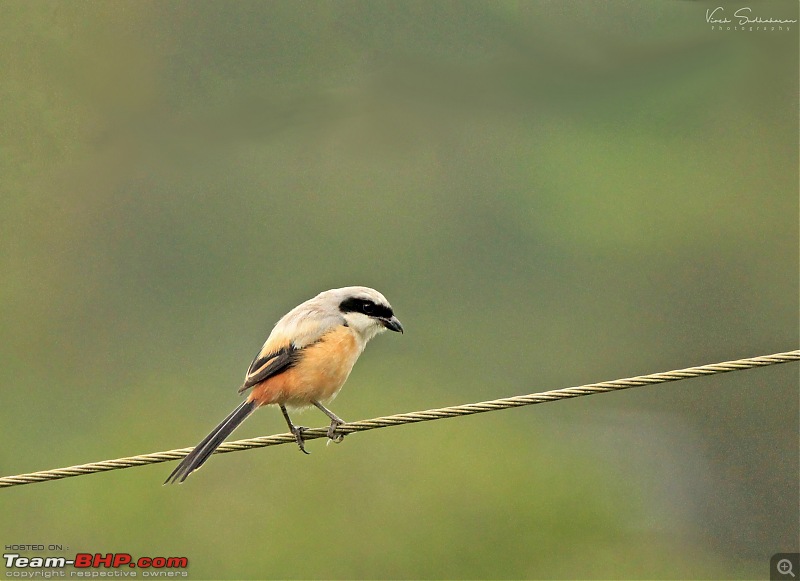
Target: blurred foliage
<point x="549" y="193"/>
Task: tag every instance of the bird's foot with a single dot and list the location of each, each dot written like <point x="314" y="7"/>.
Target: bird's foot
<point x="332" y="435"/>
<point x="298" y="436"/>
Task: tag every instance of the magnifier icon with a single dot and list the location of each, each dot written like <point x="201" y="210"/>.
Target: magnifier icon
<point x="784" y="567"/>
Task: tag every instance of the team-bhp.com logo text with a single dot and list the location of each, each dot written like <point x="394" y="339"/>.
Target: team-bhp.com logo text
<point x="89" y="565"/>
<point x="744" y="19"/>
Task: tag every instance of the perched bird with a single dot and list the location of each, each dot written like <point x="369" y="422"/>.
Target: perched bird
<point x="305" y="361"/>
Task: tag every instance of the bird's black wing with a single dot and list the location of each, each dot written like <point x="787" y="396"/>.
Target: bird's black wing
<point x="270" y="365"/>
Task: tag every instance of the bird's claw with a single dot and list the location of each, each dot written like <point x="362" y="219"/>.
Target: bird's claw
<point x="298" y="436"/>
<point x="333" y="436"/>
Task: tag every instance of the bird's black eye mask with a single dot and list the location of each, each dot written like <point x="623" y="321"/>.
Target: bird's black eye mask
<point x="366" y="307"/>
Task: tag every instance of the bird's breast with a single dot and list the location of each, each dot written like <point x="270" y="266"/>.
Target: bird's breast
<point x="319" y="374"/>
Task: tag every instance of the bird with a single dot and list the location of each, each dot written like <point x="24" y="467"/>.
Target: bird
<point x="304" y="362"/>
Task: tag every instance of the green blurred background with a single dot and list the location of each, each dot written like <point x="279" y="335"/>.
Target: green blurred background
<point x="549" y="193"/>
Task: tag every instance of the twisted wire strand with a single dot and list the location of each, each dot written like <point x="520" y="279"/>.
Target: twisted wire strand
<point x="411" y="417"/>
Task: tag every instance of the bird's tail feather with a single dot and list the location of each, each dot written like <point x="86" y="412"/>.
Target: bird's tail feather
<point x="204" y="449"/>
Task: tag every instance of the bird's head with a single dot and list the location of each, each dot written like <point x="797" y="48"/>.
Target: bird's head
<point x="365" y="310"/>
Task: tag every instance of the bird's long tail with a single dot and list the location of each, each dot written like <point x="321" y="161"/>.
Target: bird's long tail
<point x="204" y="449"/>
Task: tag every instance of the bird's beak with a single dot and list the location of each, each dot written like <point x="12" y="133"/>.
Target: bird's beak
<point x="392" y="324"/>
